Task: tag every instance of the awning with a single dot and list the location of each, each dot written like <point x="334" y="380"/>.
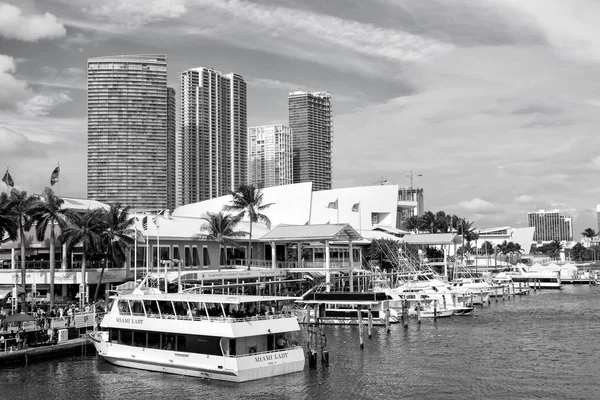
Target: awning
<point x="6" y="290"/>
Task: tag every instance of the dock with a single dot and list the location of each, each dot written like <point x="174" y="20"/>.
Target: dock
<point x="55" y="350"/>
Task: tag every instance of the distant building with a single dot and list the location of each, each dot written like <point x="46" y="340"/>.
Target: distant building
<point x="550" y="225"/>
<point x="497" y="235"/>
<point x="598" y="216"/>
<point x="130" y="124"/>
<point x="312" y="125"/>
<point x="270" y="155"/>
<point x="410" y="202"/>
<point x="213" y="134"/>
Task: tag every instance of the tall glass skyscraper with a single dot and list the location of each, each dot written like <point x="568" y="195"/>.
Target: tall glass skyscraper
<point x="213" y="134"/>
<point x="131" y="126"/>
<point x="312" y="125"/>
<point x="270" y="155"/>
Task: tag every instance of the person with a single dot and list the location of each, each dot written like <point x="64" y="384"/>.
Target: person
<point x="281" y="343"/>
<point x="19" y="340"/>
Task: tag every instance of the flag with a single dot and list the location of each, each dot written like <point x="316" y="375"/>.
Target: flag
<point x="8" y="179"/>
<point x="54" y="176"/>
<point x="145" y="223"/>
<point x="333" y="204"/>
<point x="355" y="207"/>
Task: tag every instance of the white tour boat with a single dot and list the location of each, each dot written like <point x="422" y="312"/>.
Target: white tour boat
<point x="542" y="280"/>
<point x="231" y="338"/>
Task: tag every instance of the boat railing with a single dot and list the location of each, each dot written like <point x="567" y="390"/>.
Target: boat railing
<point x="221" y="319"/>
<point x="266" y="352"/>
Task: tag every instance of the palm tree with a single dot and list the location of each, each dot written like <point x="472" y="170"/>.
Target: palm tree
<point x="428" y="221"/>
<point x="8" y="225"/>
<point x="412" y="224"/>
<point x="116" y="236"/>
<point x="247" y="200"/>
<point x="487" y="247"/>
<point x="21" y="215"/>
<point x="441" y="222"/>
<point x="466" y="230"/>
<point x="220" y="227"/>
<point x="48" y="211"/>
<point x="86" y="229"/>
<point x="588" y="233"/>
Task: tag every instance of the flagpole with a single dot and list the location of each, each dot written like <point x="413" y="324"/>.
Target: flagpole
<point x="360" y="218"/>
<point x="135" y="252"/>
<point x="338" y="209"/>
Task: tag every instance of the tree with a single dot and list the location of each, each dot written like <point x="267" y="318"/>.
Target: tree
<point x="466" y="230"/>
<point x="115" y="237"/>
<point x="22" y="217"/>
<point x="48" y="211"/>
<point x="380" y="250"/>
<point x="247" y="200"/>
<point x="428" y="221"/>
<point x="8" y="225"/>
<point x="86" y="229"/>
<point x="588" y="233"/>
<point x="412" y="224"/>
<point x="220" y="227"/>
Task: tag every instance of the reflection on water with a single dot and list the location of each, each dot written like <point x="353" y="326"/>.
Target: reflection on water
<point x="538" y="346"/>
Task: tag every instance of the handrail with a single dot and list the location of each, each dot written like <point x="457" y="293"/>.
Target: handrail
<point x="265" y="352"/>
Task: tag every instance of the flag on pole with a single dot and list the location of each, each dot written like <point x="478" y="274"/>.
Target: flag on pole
<point x="333" y="204"/>
<point x="54" y="176"/>
<point x="355" y="207"/>
<point x="145" y="223"/>
<point x="8" y="179"/>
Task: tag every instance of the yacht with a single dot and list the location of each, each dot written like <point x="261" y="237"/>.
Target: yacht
<point x="221" y="337"/>
<point x="543" y="280"/>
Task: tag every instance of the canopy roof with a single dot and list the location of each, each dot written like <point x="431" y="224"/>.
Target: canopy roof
<point x="312" y="233"/>
<point x="433" y="239"/>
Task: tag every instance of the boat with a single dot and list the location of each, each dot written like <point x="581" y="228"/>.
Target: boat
<point x="535" y="279"/>
<point x="214" y="336"/>
<point x="345" y="308"/>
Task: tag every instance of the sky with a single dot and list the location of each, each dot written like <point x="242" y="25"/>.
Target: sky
<point x="494" y="105"/>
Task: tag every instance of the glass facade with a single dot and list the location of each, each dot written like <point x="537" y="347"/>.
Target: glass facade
<point x="213" y="134"/>
<point x="311" y="122"/>
<point x="270" y="155"/>
<point x="550" y="225"/>
<point x="129" y="131"/>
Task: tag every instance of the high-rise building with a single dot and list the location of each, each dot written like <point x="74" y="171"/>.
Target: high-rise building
<point x="270" y="155"/>
<point x="598" y="216"/>
<point x="213" y="134"/>
<point x="312" y="125"/>
<point x="550" y="225"/>
<point x="130" y="126"/>
<point x="171" y="149"/>
<point x="410" y="203"/>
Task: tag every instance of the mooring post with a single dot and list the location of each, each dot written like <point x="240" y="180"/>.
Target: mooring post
<point x="435" y="306"/>
<point x="387" y="316"/>
<point x="496" y="293"/>
<point x="418" y="312"/>
<point x="405" y="313"/>
<point x="324" y="350"/>
<point x="360" y="328"/>
<point x="370" y="326"/>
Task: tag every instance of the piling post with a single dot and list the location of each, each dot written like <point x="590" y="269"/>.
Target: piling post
<point x="360" y="328"/>
<point x="387" y="316"/>
<point x="324" y="350"/>
<point x="435" y="306"/>
<point x="370" y="325"/>
<point x="520" y="290"/>
<point x="496" y="293"/>
<point x="481" y="294"/>
<point x="444" y="300"/>
<point x="513" y="286"/>
<point x="405" y="313"/>
<point x="503" y="292"/>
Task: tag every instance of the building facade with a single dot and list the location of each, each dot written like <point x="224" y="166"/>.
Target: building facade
<point x="270" y="155"/>
<point x="213" y="134"/>
<point x="550" y="225"/>
<point x="129" y="131"/>
<point x="410" y="203"/>
<point x="311" y="121"/>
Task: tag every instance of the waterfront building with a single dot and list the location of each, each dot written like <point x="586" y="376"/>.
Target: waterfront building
<point x="550" y="225"/>
<point x="311" y="121"/>
<point x="411" y="201"/>
<point x="213" y="134"/>
<point x="270" y="155"/>
<point x="130" y="128"/>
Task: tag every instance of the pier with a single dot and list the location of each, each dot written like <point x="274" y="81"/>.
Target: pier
<point x="70" y="346"/>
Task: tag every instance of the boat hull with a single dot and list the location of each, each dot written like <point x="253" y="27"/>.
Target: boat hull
<point x="232" y="369"/>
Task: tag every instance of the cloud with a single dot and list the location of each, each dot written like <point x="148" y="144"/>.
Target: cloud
<point x="68" y="78"/>
<point x="28" y="28"/>
<point x="17" y="95"/>
<point x="132" y="14"/>
<point x="524" y="199"/>
<point x="478" y="206"/>
<point x="274" y="84"/>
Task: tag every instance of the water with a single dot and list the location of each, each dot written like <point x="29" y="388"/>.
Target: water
<point x="539" y="346"/>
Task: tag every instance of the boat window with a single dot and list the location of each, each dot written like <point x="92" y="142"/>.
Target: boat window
<point x="168" y="342"/>
<point x="137" y="308"/>
<point x="181" y="309"/>
<point x="124" y="307"/>
<point x="154" y="340"/>
<point x="195" y="257"/>
<point x="151" y="308"/>
<point x="176" y="253"/>
<point x="114" y="335"/>
<point x="180" y="343"/>
<point x="166" y="309"/>
<point x="205" y="257"/>
<point x="188" y="257"/>
<point x="214" y="310"/>
<point x="139" y="339"/>
<point x="125" y="337"/>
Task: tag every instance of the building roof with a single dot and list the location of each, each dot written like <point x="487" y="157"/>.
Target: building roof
<point x="83" y="204"/>
<point x="389" y="229"/>
<point x="433" y="239"/>
<point x="295" y="233"/>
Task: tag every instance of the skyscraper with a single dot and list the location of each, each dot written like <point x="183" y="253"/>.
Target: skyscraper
<point x="270" y="155"/>
<point x="213" y="134"/>
<point x="311" y="121"/>
<point x="550" y="225"/>
<point x="130" y="126"/>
